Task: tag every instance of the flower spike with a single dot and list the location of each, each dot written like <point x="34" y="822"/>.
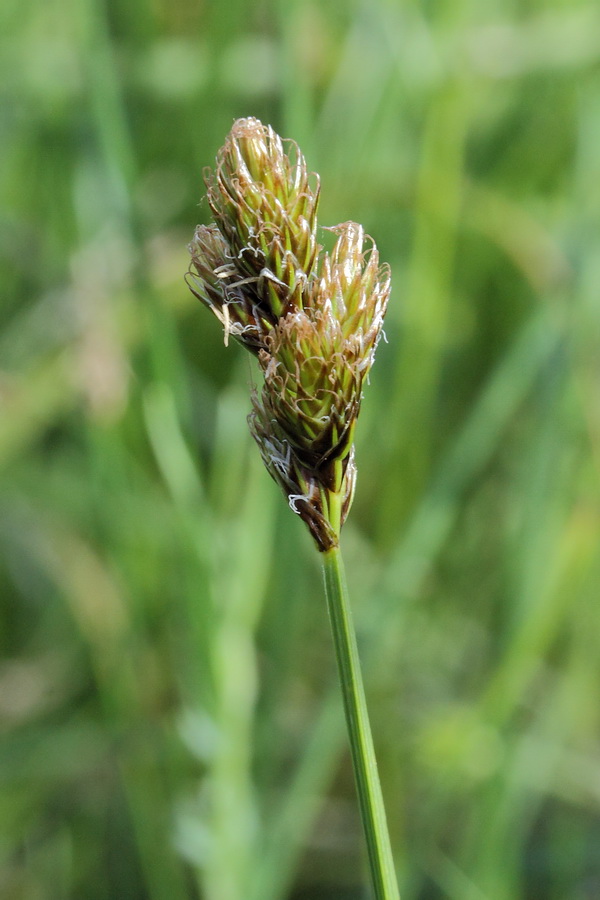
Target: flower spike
<point x="313" y="319"/>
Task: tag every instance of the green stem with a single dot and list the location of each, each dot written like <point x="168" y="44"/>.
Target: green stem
<point x="368" y="787"/>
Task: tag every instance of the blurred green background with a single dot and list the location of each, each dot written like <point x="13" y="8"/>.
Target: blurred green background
<point x="170" y="724"/>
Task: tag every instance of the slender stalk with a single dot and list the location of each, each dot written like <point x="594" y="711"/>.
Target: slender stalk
<point x="370" y="798"/>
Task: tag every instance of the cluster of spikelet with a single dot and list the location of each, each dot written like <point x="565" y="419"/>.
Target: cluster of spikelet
<point x="312" y="318"/>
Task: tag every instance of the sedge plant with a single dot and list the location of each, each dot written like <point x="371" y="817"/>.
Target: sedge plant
<point x="313" y="319"/>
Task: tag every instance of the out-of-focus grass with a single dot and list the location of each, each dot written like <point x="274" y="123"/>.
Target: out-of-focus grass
<point x="170" y="723"/>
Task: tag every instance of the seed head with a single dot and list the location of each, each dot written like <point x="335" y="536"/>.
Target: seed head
<point x="317" y="358"/>
<point x="313" y="319"/>
<point x="304" y="487"/>
<point x="266" y="209"/>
